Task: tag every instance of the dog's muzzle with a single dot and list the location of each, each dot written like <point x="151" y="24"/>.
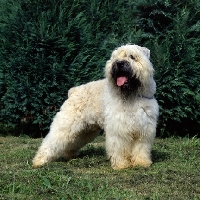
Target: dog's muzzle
<point x="121" y="72"/>
<point x="124" y="77"/>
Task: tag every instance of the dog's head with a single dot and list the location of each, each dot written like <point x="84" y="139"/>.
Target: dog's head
<point x="130" y="70"/>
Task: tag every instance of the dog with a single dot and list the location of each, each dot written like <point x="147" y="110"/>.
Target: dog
<point x="122" y="104"/>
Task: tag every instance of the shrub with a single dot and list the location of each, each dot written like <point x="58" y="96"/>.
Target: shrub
<point x="40" y="45"/>
<point x="176" y="59"/>
<point x="48" y="46"/>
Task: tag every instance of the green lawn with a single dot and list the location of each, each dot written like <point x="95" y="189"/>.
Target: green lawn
<point x="175" y="173"/>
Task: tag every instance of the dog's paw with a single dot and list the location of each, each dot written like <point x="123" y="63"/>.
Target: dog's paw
<point x="120" y="164"/>
<point x="38" y="162"/>
<point x="119" y="167"/>
<point x="142" y="163"/>
<point x="36" y="165"/>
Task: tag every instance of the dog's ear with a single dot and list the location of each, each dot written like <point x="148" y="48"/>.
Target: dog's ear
<point x="146" y="52"/>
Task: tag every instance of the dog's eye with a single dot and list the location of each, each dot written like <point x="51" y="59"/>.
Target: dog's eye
<point x="132" y="57"/>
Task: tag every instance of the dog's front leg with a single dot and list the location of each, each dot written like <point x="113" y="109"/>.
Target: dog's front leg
<point x="117" y="152"/>
<point x="141" y="152"/>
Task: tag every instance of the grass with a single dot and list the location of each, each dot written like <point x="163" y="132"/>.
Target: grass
<point x="175" y="173"/>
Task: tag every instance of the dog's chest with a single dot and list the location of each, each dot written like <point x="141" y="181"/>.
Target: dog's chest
<point x="125" y="118"/>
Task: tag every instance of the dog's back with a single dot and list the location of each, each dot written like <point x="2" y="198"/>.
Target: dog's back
<point x="88" y="98"/>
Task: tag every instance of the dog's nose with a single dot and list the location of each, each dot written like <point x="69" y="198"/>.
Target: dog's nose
<point x="120" y="63"/>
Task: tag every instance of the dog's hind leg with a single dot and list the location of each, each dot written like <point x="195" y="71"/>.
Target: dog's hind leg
<point x="54" y="143"/>
<point x="65" y="138"/>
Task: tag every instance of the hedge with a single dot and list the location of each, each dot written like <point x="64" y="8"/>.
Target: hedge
<point x="49" y="46"/>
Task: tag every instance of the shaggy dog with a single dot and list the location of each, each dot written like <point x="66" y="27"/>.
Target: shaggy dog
<point x="122" y="104"/>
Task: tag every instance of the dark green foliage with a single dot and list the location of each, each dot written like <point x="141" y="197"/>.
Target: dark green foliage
<point x="48" y="46"/>
<point x="176" y="58"/>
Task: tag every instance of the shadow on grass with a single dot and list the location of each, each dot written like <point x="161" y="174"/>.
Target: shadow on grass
<point x="159" y="156"/>
<point x="88" y="157"/>
<point x="92" y="151"/>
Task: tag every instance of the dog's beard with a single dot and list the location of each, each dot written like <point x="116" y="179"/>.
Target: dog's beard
<point x="124" y="78"/>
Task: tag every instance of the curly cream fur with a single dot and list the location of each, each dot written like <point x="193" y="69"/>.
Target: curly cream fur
<point x="129" y="122"/>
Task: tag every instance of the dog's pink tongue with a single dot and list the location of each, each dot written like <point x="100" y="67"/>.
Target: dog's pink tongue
<point x="121" y="80"/>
